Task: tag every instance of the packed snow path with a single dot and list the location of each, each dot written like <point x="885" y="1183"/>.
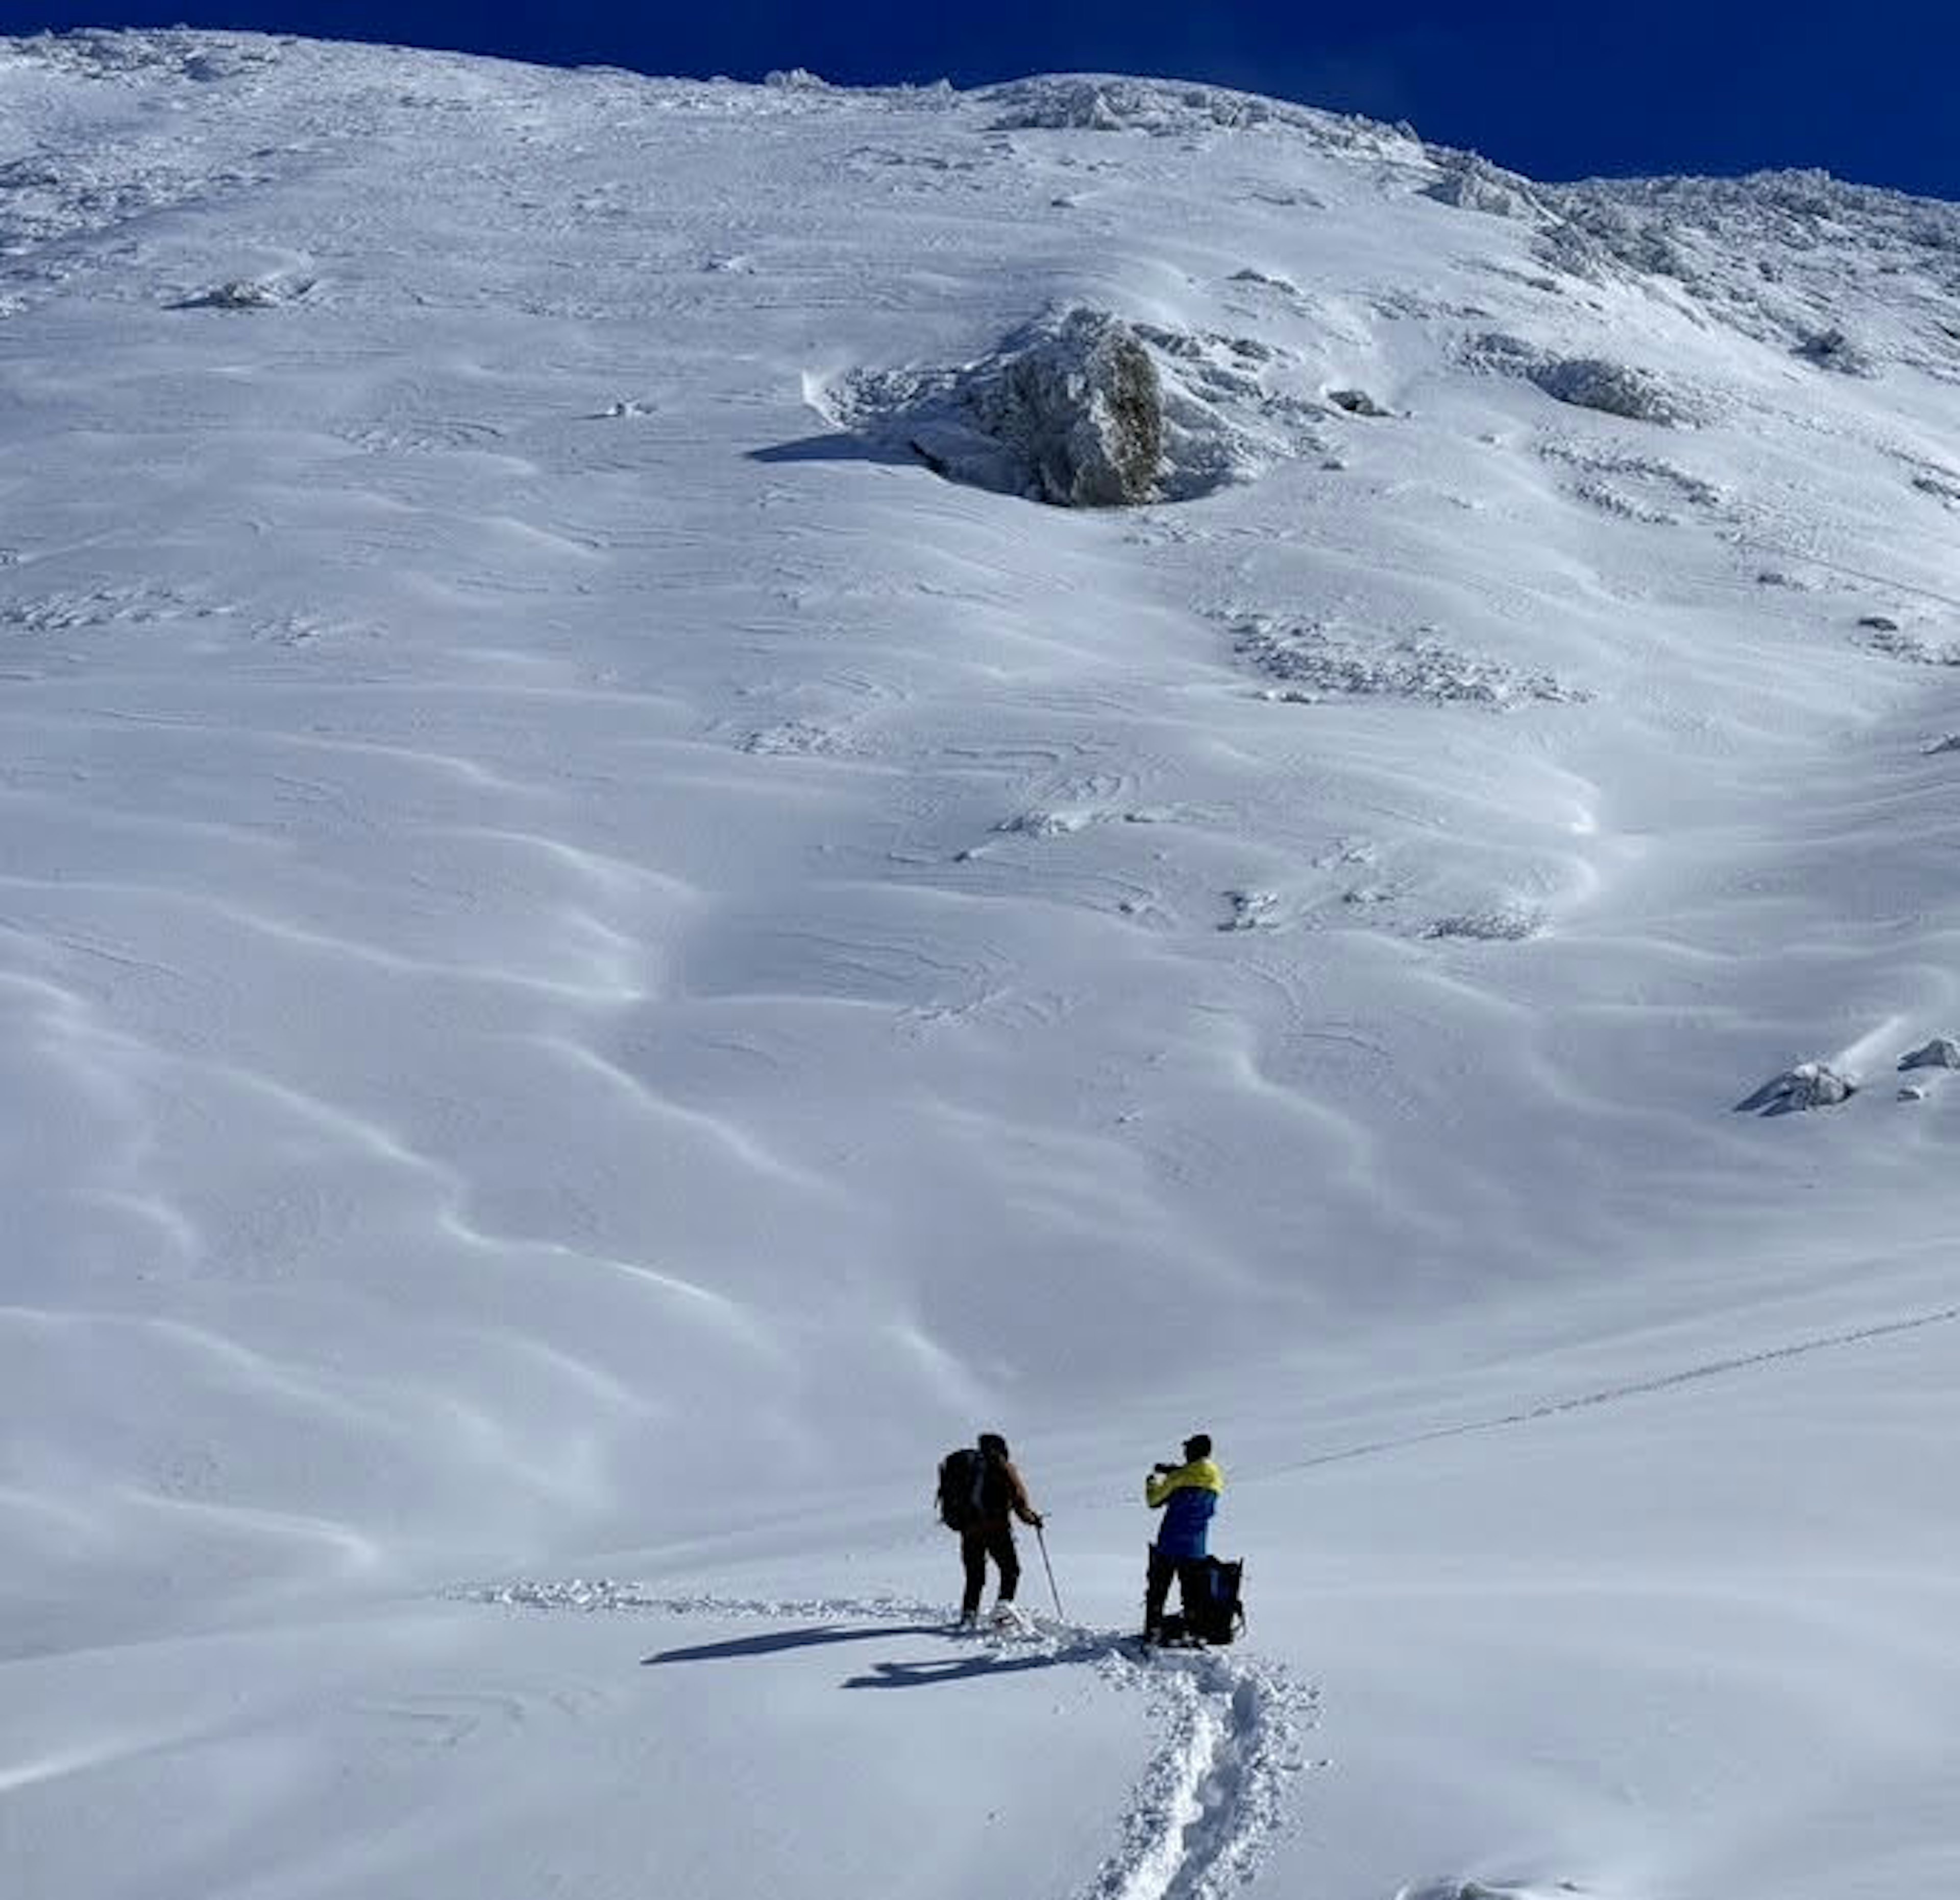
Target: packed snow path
<point x="1215" y="1787"/>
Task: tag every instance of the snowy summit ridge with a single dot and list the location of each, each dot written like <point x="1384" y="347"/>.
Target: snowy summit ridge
<point x="705" y="785"/>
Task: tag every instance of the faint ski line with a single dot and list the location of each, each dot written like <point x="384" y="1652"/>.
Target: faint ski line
<point x="1796" y="555"/>
<point x="1635" y="1388"/>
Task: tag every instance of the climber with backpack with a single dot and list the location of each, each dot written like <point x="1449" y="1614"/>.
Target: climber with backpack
<point x="1187" y="1495"/>
<point x="980" y="1495"/>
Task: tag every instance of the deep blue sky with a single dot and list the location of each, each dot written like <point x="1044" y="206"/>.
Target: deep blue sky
<point x="1871" y="91"/>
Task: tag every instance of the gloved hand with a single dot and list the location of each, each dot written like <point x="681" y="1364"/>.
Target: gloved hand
<point x="1162" y="1470"/>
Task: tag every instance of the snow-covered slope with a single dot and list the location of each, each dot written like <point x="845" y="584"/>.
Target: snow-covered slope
<point x="612" y="932"/>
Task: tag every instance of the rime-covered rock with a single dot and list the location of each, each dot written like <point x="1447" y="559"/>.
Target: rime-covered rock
<point x="1809" y="1085"/>
<point x="1470" y="181"/>
<point x="1942" y="1052"/>
<point x="1585" y="382"/>
<point x="1081" y="410"/>
<point x="1614" y="389"/>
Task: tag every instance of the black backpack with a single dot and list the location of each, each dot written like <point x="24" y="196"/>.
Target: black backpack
<point x="1219" y="1615"/>
<point x="962" y="1477"/>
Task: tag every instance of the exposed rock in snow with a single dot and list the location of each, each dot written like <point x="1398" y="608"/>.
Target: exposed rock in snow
<point x="1585" y="382"/>
<point x="1251" y="909"/>
<point x="241" y="293"/>
<point x="1357" y="402"/>
<point x="1265" y="280"/>
<point x="1044" y="824"/>
<point x="196" y="54"/>
<point x="1765" y="254"/>
<point x="1479" y="1890"/>
<point x="1810" y="1085"/>
<point x="1077" y="411"/>
<point x="1614" y="389"/>
<point x="1318" y="664"/>
<point x="1470" y="181"/>
<point x="1914" y="649"/>
<point x="1080" y="413"/>
<point x="1942" y="1052"/>
<point x="1505" y="924"/>
<point x="1832" y="349"/>
<point x="1082" y="103"/>
<point x="1068" y="103"/>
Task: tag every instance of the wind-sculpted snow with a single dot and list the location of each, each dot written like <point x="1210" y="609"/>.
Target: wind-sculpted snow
<point x="594" y="959"/>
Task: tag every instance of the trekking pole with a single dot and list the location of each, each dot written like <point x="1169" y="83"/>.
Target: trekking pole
<point x="1050" y="1568"/>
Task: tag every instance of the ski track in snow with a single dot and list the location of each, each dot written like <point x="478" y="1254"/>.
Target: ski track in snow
<point x="1213" y="1792"/>
<point x="1634" y="1389"/>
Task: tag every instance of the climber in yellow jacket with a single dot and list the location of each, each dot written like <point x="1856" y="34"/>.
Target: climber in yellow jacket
<point x="1188" y="1495"/>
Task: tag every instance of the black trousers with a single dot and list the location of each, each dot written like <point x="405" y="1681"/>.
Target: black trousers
<point x="1189" y="1572"/>
<point x="976" y="1545"/>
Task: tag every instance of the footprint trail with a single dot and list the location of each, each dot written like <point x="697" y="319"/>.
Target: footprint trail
<point x="1211" y="1798"/>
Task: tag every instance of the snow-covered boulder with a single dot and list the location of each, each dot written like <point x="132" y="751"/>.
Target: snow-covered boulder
<point x="1585" y="382"/>
<point x="1080" y="410"/>
<point x="1810" y="1085"/>
<point x="1314" y="662"/>
<point x="1082" y="102"/>
<point x="1614" y="389"/>
<point x="1942" y="1052"/>
<point x="240" y="294"/>
<point x="1469" y="182"/>
<point x="1832" y="349"/>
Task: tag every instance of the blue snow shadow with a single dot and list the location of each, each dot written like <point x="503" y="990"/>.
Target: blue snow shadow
<point x="787" y="1640"/>
<point x="840" y="446"/>
<point x="988" y="1661"/>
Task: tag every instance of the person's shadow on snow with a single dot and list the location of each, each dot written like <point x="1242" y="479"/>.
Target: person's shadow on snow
<point x="786" y="1639"/>
<point x="959" y="1669"/>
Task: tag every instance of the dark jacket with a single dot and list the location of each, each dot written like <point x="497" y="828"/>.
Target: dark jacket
<point x="1002" y="1495"/>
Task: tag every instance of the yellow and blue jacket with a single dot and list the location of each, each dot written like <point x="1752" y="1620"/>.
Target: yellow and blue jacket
<point x="1187" y="1497"/>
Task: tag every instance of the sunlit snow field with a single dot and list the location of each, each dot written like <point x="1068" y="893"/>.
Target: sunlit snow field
<point x="595" y="965"/>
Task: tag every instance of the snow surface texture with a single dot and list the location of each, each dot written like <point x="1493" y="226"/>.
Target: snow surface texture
<point x="1229" y="1726"/>
<point x="706" y="784"/>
